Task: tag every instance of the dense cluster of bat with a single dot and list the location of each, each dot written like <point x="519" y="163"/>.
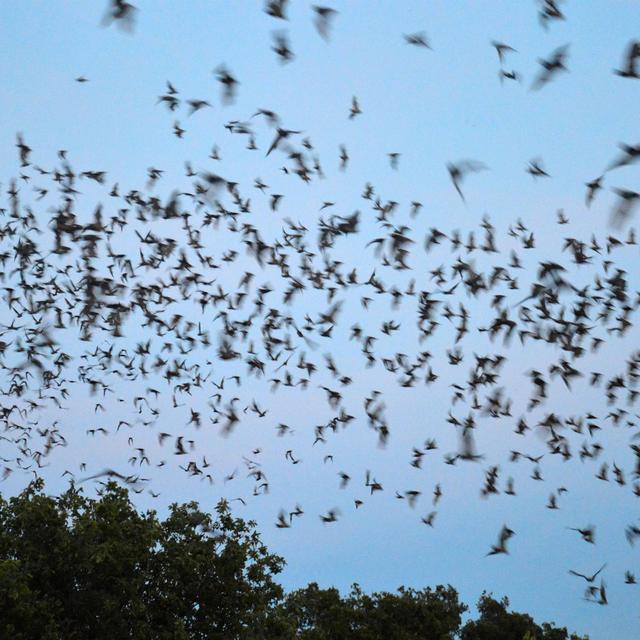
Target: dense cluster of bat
<point x="180" y="307"/>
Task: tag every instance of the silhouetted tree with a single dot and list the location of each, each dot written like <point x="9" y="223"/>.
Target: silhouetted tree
<point x="313" y="613"/>
<point x="497" y="623"/>
<point x="77" y="568"/>
<point x="74" y="567"/>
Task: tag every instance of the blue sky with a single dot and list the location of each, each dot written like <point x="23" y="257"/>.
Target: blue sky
<point x="432" y="106"/>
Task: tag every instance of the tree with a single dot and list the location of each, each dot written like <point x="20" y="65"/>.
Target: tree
<point x="322" y="614"/>
<point x="74" y="567"/>
<point x="410" y="614"/>
<point x="497" y="623"/>
<point x="313" y="613"/>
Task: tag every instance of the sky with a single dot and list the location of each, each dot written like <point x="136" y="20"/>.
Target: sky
<point x="433" y="106"/>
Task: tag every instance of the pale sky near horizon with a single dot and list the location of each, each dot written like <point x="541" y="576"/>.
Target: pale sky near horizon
<point x="433" y="107"/>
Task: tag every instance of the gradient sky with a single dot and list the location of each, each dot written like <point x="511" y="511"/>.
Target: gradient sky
<point x="433" y="107"/>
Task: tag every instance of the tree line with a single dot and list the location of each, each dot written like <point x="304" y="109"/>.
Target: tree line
<point x="74" y="567"/>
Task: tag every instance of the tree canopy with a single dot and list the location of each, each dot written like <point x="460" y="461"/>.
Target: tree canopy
<point x="76" y="567"/>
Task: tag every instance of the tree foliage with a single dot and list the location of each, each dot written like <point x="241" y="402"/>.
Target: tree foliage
<point x="409" y="614"/>
<point x="74" y="567"/>
<point x="497" y="623"/>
